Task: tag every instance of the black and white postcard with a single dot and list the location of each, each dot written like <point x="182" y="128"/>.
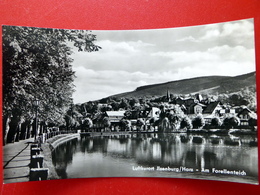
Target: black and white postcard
<point x="175" y="103"/>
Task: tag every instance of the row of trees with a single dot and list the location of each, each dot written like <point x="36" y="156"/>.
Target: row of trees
<point x="38" y="76"/>
<point x="175" y="119"/>
<point x="169" y="120"/>
<point x="246" y="96"/>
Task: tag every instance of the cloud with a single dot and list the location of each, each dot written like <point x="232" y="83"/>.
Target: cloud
<point x="129" y="59"/>
<point x="214" y="54"/>
<point x="232" y="33"/>
<point x="211" y="34"/>
<point x="96" y="84"/>
<point x="189" y="39"/>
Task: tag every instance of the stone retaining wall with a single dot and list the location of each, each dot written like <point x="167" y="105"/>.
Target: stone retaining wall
<point x="49" y="146"/>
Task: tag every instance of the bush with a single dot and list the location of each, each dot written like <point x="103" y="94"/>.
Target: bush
<point x="186" y="123"/>
<point x="198" y="122"/>
<point x="216" y="122"/>
<point x="231" y="122"/>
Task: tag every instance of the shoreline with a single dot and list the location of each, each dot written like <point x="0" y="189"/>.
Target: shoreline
<point x="54" y="142"/>
<point x="47" y="149"/>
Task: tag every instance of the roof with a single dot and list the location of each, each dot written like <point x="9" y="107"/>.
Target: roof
<point x="249" y="112"/>
<point x="210" y="108"/>
<point x="200" y="104"/>
<point x="115" y="113"/>
<point x="211" y="116"/>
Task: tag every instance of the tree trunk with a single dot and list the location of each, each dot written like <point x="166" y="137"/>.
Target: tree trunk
<point x="23" y="130"/>
<point x="13" y="127"/>
<point x="29" y="130"/>
<point x="6" y="128"/>
<point x="17" y="133"/>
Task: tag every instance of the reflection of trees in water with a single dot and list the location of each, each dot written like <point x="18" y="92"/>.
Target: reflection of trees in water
<point x="63" y="155"/>
<point x="210" y="159"/>
<point x="166" y="149"/>
<point x="172" y="149"/>
<point x="94" y="144"/>
<point x="190" y="159"/>
<point x="159" y="149"/>
<point x="195" y="151"/>
<point x="200" y="159"/>
<point x="86" y="144"/>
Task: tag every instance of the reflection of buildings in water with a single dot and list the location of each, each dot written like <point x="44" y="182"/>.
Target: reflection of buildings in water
<point x="86" y="144"/>
<point x="156" y="151"/>
<point x="180" y="150"/>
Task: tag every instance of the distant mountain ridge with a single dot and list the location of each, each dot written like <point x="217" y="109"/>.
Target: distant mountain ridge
<point x="203" y="85"/>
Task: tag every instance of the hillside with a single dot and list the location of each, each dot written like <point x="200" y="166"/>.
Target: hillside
<point x="203" y="85"/>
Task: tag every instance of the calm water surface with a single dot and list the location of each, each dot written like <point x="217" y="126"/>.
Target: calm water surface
<point x="178" y="155"/>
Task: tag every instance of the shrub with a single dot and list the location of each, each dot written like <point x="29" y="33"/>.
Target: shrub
<point x="186" y="123"/>
<point x="198" y="122"/>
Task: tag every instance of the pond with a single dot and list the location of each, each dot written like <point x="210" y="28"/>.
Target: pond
<point x="176" y="155"/>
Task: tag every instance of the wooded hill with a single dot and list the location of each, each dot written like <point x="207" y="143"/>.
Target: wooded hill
<point x="203" y="85"/>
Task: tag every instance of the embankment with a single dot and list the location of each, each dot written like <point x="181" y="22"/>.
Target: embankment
<point x="49" y="146"/>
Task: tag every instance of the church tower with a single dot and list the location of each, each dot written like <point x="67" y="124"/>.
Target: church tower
<point x="168" y="95"/>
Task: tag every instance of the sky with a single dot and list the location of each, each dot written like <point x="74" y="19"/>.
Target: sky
<point x="132" y="58"/>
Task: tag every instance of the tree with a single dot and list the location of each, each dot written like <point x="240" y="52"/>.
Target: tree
<point x="86" y="124"/>
<point x="140" y="123"/>
<point x="154" y="122"/>
<point x="128" y="114"/>
<point x="124" y="104"/>
<point x="175" y="116"/>
<point x="164" y="124"/>
<point x="231" y="122"/>
<point x="234" y="121"/>
<point x="252" y="122"/>
<point x="216" y="122"/>
<point x="70" y="122"/>
<point x="72" y="118"/>
<point x="37" y="66"/>
<point x="106" y="123"/>
<point x="198" y="122"/>
<point x="125" y="124"/>
<point x="186" y="123"/>
<point x="133" y="102"/>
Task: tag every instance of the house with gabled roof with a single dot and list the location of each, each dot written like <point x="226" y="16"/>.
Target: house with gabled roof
<point x="245" y="115"/>
<point x="115" y="116"/>
<point x="195" y="109"/>
<point x="211" y="110"/>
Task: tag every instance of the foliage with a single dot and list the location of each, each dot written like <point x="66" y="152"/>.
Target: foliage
<point x="125" y="124"/>
<point x="106" y="122"/>
<point x="140" y="123"/>
<point x="186" y="123"/>
<point x="216" y="122"/>
<point x="86" y="124"/>
<point x="246" y="96"/>
<point x="198" y="122"/>
<point x="37" y="66"/>
<point x="252" y="122"/>
<point x="175" y="115"/>
<point x="164" y="124"/>
<point x="231" y="122"/>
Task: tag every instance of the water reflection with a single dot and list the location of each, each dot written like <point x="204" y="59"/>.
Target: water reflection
<point x="115" y="155"/>
<point x="63" y="155"/>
